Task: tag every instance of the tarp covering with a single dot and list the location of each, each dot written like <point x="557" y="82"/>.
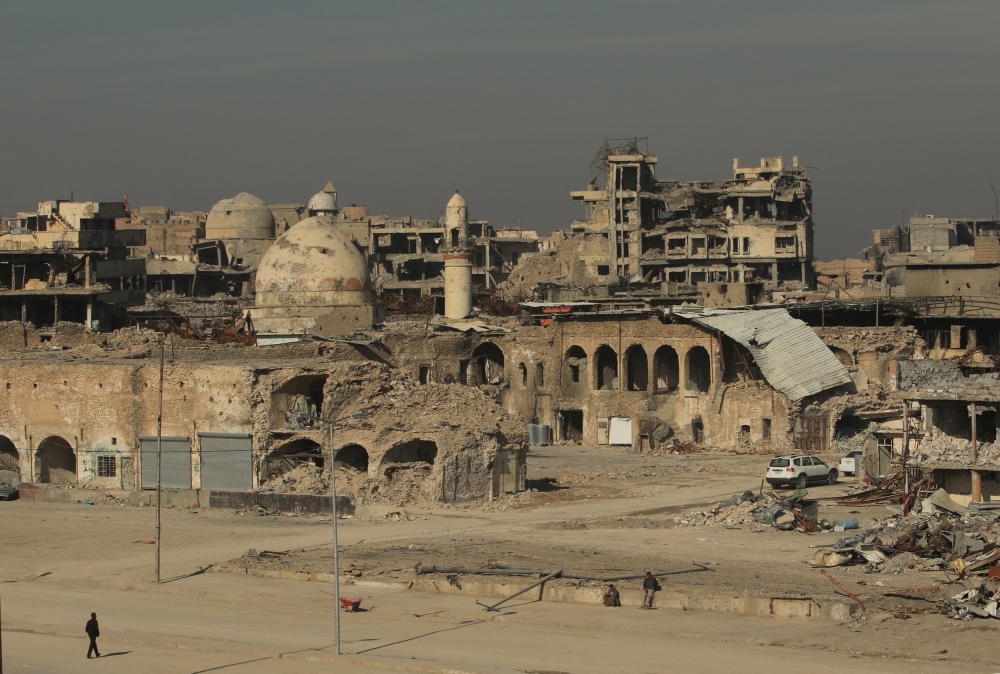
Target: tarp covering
<point x="792" y="358"/>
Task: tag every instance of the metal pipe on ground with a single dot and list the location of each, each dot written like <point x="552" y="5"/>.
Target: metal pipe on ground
<point x="493" y="607"/>
<point x="604" y="579"/>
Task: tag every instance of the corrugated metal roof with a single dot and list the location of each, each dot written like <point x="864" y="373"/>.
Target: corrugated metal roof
<point x="789" y="354"/>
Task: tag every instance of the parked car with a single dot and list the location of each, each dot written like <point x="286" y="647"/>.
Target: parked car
<point x="849" y="464"/>
<point x="799" y="470"/>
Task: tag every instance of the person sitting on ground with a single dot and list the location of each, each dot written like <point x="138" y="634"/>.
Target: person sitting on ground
<point x="649" y="586"/>
<point x="611" y="597"/>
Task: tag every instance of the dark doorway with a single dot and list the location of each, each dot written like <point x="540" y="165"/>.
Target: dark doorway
<point x="572" y="424"/>
<point x="698" y="431"/>
<point x="8" y="455"/>
<point x="56" y="461"/>
<point x="489" y="363"/>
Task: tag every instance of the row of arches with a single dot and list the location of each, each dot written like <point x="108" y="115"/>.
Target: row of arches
<point x="55" y="456"/>
<point x="351" y="456"/>
<point x="662" y="378"/>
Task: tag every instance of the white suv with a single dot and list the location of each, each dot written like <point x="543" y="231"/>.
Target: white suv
<point x="799" y="470"/>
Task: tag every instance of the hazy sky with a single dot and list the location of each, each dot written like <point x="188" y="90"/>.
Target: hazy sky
<point x="399" y="103"/>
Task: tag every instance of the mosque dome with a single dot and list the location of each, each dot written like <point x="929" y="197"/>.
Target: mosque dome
<point x="323" y="202"/>
<point x="242" y="217"/>
<point x="313" y="263"/>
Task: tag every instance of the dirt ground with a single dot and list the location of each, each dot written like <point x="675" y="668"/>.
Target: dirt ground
<point x="598" y="510"/>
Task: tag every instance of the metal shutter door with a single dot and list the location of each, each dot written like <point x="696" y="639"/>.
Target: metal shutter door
<point x="226" y="461"/>
<point x="176" y="462"/>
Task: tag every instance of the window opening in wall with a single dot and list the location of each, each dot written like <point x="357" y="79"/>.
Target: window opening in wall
<point x="522" y="374"/>
<point x="106" y="466"/>
<point x="576" y="366"/>
<point x="463" y="372"/>
<point x="765" y="430"/>
<point x="425" y="373"/>
<point x="736" y="245"/>
<point x="944" y="339"/>
<point x="603" y="270"/>
<point x="743" y="435"/>
<point x="677" y="276"/>
<point x="884" y="444"/>
<point x="746" y="245"/>
<point x="539" y="375"/>
<point x="783" y="243"/>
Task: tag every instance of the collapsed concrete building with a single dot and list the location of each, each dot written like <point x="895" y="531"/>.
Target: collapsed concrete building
<point x="69" y="261"/>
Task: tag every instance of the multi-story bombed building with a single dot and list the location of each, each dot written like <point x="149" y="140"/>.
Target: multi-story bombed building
<point x="755" y="227"/>
<point x="70" y="261"/>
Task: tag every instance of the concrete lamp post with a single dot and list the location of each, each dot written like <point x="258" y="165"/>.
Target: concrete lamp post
<point x="333" y="492"/>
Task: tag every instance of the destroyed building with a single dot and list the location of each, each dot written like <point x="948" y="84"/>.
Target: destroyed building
<point x="755" y="227"/>
<point x="70" y="261"/>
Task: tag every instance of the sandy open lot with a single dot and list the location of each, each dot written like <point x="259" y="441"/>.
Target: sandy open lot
<point x="612" y="512"/>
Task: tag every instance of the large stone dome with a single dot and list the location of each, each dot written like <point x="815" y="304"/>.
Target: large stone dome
<point x="313" y="263"/>
<point x="242" y="217"/>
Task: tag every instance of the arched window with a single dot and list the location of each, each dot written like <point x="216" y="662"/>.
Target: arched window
<point x="666" y="370"/>
<point x="637" y="368"/>
<point x="522" y="374"/>
<point x="699" y="373"/>
<point x="489" y="364"/>
<point x="607" y="368"/>
<point x="575" y="367"/>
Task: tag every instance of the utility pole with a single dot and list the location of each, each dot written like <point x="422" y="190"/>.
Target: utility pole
<point x="336" y="550"/>
<point x="159" y="465"/>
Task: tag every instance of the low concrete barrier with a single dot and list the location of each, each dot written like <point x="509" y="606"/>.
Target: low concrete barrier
<point x="311" y="504"/>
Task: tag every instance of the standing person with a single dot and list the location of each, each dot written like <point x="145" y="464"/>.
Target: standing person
<point x="93" y="631"/>
<point x="611" y="597"/>
<point x="649" y="587"/>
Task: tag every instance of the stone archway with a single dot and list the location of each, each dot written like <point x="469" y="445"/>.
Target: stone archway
<point x="636" y="368"/>
<point x="353" y="457"/>
<point x="9" y="459"/>
<point x="666" y="369"/>
<point x="56" y="461"/>
<point x="699" y="369"/>
<point x="606" y="361"/>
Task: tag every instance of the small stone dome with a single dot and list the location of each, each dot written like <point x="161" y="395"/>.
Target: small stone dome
<point x="313" y="263"/>
<point x="242" y="217"/>
<point x="323" y="202"/>
<point x="457" y="200"/>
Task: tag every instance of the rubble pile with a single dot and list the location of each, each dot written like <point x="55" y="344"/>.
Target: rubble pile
<point x="961" y="546"/>
<point x="760" y="512"/>
<point x="949" y="449"/>
<point x="303" y="479"/>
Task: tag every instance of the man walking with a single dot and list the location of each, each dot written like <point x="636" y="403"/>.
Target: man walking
<point x="649" y="587"/>
<point x="93" y="631"/>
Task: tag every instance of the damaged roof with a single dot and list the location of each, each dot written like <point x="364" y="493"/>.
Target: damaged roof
<point x="790" y="355"/>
